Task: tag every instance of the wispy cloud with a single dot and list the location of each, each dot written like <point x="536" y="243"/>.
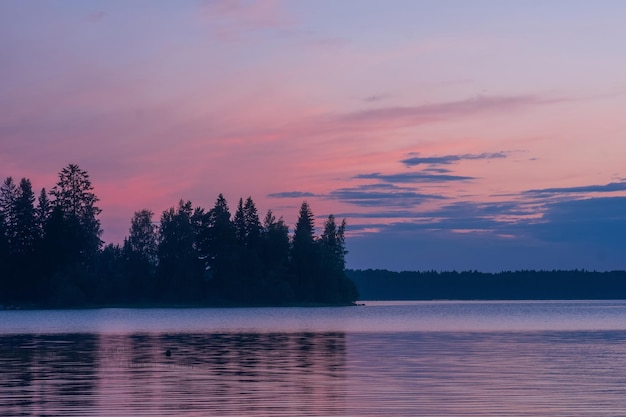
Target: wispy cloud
<point x="607" y="188"/>
<point x="449" y="159"/>
<point x="413" y="177"/>
<point x="376" y="98"/>
<point x="381" y="195"/>
<point x="416" y="115"/>
<point x="291" y="194"/>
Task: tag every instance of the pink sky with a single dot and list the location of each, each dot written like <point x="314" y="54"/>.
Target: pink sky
<point x="515" y="109"/>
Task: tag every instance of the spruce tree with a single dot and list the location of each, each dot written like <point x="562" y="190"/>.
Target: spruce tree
<point x="26" y="231"/>
<point x="335" y="286"/>
<point x="76" y="202"/>
<point x="8" y="195"/>
<point x="219" y="247"/>
<point x="180" y="267"/>
<point x="304" y="254"/>
<point x="43" y="210"/>
<point x="252" y="224"/>
<point x="142" y="238"/>
<point x="275" y="256"/>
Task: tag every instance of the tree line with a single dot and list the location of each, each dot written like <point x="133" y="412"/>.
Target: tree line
<point x="474" y="285"/>
<point x="52" y="254"/>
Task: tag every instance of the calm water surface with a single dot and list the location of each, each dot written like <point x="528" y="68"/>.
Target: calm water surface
<point x="382" y="359"/>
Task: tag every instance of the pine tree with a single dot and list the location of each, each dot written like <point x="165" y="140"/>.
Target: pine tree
<point x="304" y="254"/>
<point x="252" y="223"/>
<point x="8" y="195"/>
<point x="275" y="255"/>
<point x="26" y="231"/>
<point x="180" y="267"/>
<point x="239" y="223"/>
<point x="335" y="286"/>
<point x="75" y="200"/>
<point x="332" y="242"/>
<point x="142" y="237"/>
<point x="219" y="247"/>
<point x="43" y="210"/>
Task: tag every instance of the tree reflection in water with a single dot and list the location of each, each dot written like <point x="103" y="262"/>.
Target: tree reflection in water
<point x="253" y="374"/>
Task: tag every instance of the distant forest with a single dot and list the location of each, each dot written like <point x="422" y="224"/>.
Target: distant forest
<point x="52" y="255"/>
<point x="518" y="285"/>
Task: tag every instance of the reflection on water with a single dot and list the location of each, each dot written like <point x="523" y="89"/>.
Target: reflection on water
<point x="206" y="374"/>
<point x="483" y="371"/>
<point x="47" y="373"/>
<point x="489" y="374"/>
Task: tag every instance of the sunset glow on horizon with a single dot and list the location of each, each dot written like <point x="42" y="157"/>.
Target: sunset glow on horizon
<point x="482" y="135"/>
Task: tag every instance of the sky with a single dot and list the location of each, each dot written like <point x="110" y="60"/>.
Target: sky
<point x="486" y="135"/>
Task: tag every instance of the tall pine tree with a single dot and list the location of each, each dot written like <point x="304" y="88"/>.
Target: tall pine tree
<point x="304" y="255"/>
<point x="75" y="201"/>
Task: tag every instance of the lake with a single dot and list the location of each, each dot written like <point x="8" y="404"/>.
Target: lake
<point x="443" y="358"/>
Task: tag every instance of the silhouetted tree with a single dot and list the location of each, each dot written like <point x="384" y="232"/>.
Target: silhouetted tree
<point x="333" y="243"/>
<point x="275" y="255"/>
<point x="74" y="198"/>
<point x="8" y="195"/>
<point x="6" y="275"/>
<point x="252" y="224"/>
<point x="26" y="231"/>
<point x="43" y="211"/>
<point x="20" y="234"/>
<point x="218" y="247"/>
<point x="180" y="268"/>
<point x="239" y="223"/>
<point x="304" y="254"/>
<point x="141" y="255"/>
<point x="115" y="283"/>
<point x="51" y="253"/>
<point x="336" y="287"/>
<point x="248" y="283"/>
<point x="142" y="237"/>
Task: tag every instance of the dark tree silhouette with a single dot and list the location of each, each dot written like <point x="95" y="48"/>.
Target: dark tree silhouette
<point x="252" y="224"/>
<point x="26" y="231"/>
<point x="239" y="223"/>
<point x="142" y="238"/>
<point x="218" y="248"/>
<point x="304" y="254"/>
<point x="43" y="211"/>
<point x="180" y="268"/>
<point x="248" y="278"/>
<point x="52" y="254"/>
<point x="75" y="200"/>
<point x="275" y="251"/>
<point x="140" y="252"/>
<point x="20" y="235"/>
<point x="8" y="195"/>
<point x="336" y="286"/>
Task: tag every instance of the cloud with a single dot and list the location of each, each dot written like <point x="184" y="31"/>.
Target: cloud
<point x="409" y="177"/>
<point x="291" y="194"/>
<point x="381" y="195"/>
<point x="584" y="234"/>
<point x="607" y="188"/>
<point x="449" y="159"/>
<point x="601" y="221"/>
<point x="376" y="98"/>
<point x="415" y="115"/>
<point x="437" y="170"/>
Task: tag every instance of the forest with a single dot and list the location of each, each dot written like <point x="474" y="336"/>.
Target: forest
<point x="474" y="285"/>
<point x="52" y="255"/>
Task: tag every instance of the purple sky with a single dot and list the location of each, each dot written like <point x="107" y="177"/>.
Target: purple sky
<point x="483" y="135"/>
